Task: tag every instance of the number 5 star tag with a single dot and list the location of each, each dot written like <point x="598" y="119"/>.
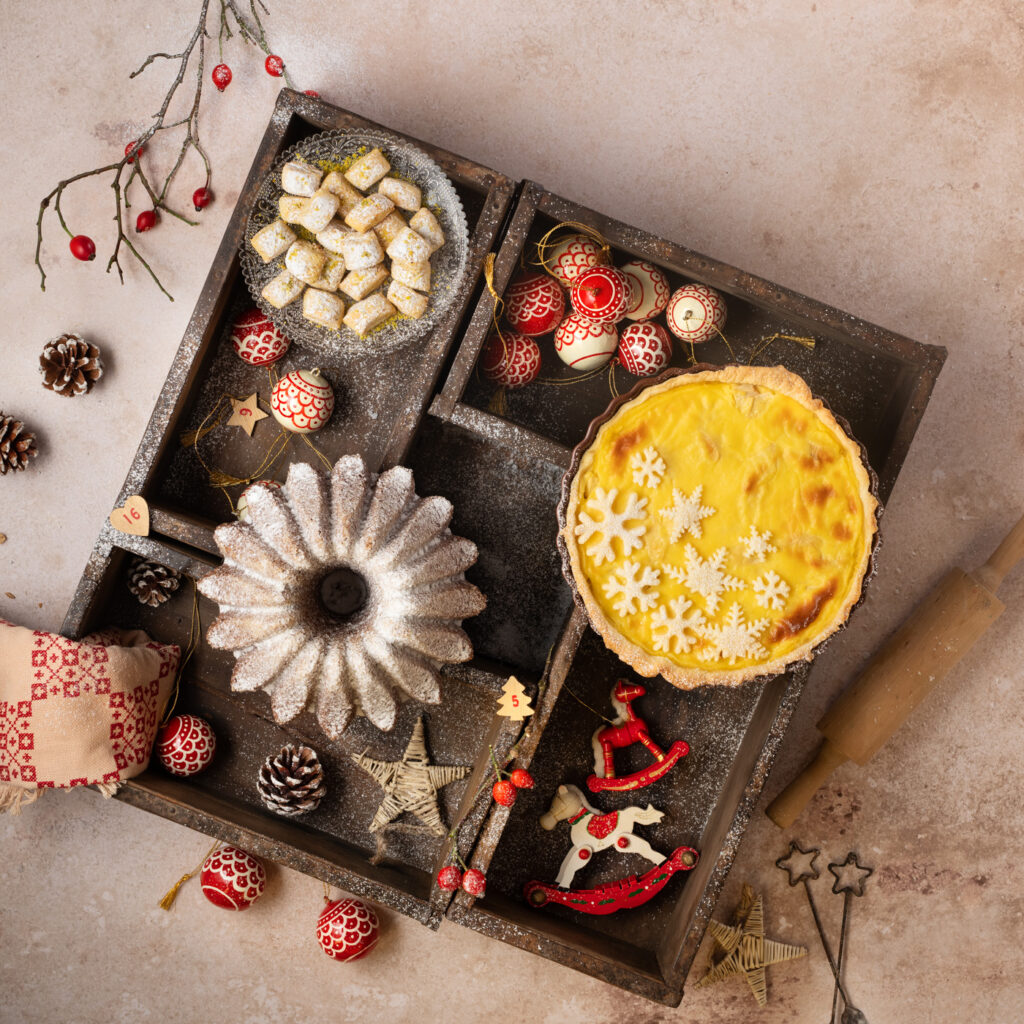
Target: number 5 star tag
<point x="132" y="517"/>
<point x="514" y="701"/>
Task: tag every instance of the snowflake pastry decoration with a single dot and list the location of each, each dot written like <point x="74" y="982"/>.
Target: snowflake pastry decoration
<point x="672" y="630"/>
<point x="632" y="581"/>
<point x="648" y="467"/>
<point x="735" y="638"/>
<point x="705" y="576"/>
<point x="685" y="513"/>
<point x="756" y="545"/>
<point x="611" y="525"/>
<point x="770" y="590"/>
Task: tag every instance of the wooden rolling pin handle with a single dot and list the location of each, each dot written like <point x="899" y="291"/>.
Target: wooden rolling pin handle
<point x="786" y="807"/>
<point x="1003" y="559"/>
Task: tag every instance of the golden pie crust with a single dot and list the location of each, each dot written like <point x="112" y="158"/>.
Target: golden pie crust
<point x="784" y="502"/>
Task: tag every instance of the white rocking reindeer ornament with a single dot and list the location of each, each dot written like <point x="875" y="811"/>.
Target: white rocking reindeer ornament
<point x="591" y="831"/>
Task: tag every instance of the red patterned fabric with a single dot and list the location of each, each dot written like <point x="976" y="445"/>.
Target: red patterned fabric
<point x="78" y="712"/>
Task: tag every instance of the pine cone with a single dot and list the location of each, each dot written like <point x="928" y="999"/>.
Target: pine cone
<point x="151" y="582"/>
<point x="292" y="783"/>
<point x="17" y="445"/>
<point x="70" y="365"/>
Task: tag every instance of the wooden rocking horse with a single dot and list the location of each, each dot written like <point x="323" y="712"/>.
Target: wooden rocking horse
<point x="590" y="832"/>
<point x="629" y="728"/>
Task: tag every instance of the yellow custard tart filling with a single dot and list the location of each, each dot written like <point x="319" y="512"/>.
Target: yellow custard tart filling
<point x="719" y="526"/>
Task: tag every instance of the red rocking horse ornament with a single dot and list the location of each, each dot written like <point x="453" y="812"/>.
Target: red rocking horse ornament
<point x="629" y="728"/>
<point x="590" y="832"/>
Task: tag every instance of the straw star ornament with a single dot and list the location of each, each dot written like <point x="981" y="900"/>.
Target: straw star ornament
<point x="747" y="951"/>
<point x="411" y="784"/>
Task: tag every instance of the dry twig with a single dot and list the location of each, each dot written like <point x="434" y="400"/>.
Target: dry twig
<point x="250" y="28"/>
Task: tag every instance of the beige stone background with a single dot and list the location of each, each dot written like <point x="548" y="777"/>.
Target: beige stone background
<point x="867" y="153"/>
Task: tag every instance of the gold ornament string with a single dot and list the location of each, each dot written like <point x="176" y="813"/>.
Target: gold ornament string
<point x="195" y="631"/>
<point x="765" y="344"/>
<point x="498" y="403"/>
<point x="547" y="242"/>
<point x="221" y="480"/>
<point x="327" y="893"/>
<point x="169" y="897"/>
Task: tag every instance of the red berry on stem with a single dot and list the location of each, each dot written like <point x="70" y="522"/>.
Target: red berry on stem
<point x="474" y="882"/>
<point x="449" y="878"/>
<point x="522" y="779"/>
<point x="130" y="146"/>
<point x="274" y="66"/>
<point x="145" y="220"/>
<point x="201" y="197"/>
<point x="504" y="793"/>
<point x="221" y="76"/>
<point x="313" y="93"/>
<point x="82" y="248"/>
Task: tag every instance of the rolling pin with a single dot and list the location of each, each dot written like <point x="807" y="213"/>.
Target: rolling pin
<point x="939" y="632"/>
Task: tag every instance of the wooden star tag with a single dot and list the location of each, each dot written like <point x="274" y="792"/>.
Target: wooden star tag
<point x="747" y="951"/>
<point x="246" y="414"/>
<point x="410" y="784"/>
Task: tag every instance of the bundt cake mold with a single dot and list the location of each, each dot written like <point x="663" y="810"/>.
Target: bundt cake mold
<point x="342" y="593"/>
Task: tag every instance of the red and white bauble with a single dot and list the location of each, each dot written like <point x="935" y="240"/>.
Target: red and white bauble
<point x="185" y="745"/>
<point x="603" y="294"/>
<point x="585" y="344"/>
<point x="511" y="360"/>
<point x="534" y="304"/>
<point x="650" y="289"/>
<point x="232" y="879"/>
<point x="256" y="340"/>
<point x="347" y="929"/>
<point x="569" y="257"/>
<point x="644" y="349"/>
<point x="695" y="313"/>
<point x="302" y="401"/>
<point x="242" y="508"/>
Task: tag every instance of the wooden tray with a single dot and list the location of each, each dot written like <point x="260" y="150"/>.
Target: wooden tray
<point x="880" y="383"/>
<point x="503" y="475"/>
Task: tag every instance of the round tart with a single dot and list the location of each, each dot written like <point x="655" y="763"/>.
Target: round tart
<point x="718" y="525"/>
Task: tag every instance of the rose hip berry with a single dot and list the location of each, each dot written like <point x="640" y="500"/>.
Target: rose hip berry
<point x="449" y="878"/>
<point x="504" y="793"/>
<point x="474" y="882"/>
<point x="145" y="220"/>
<point x="82" y="248"/>
<point x="201" y="198"/>
<point x="521" y="779"/>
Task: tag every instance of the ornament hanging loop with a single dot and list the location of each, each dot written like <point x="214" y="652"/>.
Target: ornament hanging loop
<point x="548" y="240"/>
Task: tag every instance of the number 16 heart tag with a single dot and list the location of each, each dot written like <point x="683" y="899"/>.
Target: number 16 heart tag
<point x="132" y="517"/>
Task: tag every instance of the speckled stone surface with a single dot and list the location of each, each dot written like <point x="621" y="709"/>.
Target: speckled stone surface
<point x="866" y="154"/>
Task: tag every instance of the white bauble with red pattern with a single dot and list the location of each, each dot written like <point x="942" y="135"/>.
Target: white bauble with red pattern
<point x="185" y="745"/>
<point x="602" y="294"/>
<point x="232" y="879"/>
<point x="585" y="344"/>
<point x="347" y="929"/>
<point x="650" y="289"/>
<point x="511" y="360"/>
<point x="256" y="340"/>
<point x="242" y="508"/>
<point x="534" y="304"/>
<point x="695" y="313"/>
<point x="644" y="349"/>
<point x="569" y="257"/>
<point x="302" y="401"/>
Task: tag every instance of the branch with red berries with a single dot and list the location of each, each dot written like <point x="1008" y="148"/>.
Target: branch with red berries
<point x="456" y="873"/>
<point x="232" y="20"/>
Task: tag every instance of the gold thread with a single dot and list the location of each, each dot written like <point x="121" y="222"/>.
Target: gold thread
<point x="172" y="893"/>
<point x="546" y="241"/>
<point x="195" y="630"/>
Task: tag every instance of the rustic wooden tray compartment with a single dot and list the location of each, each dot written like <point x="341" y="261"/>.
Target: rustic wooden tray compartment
<point x="503" y="475"/>
<point x="880" y="383"/>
